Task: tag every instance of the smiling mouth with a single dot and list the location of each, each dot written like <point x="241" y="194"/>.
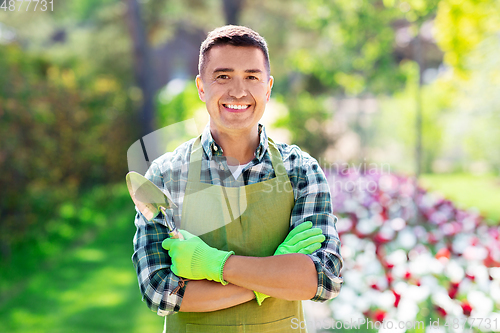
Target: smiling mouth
<point x="236" y="107"/>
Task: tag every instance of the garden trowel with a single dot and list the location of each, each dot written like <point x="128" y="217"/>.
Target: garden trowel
<point x="151" y="200"/>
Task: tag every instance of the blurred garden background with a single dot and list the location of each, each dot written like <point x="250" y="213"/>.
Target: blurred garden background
<point x="398" y="100"/>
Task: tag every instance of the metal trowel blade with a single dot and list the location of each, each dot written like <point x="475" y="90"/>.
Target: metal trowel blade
<point x="147" y="196"/>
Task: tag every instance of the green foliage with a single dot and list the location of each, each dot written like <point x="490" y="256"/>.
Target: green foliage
<point x="308" y="116"/>
<point x="61" y="130"/>
<point x="395" y="123"/>
<point x="87" y="284"/>
<point x="462" y="25"/>
<point x="477" y="105"/>
<point x="344" y="49"/>
<point x="350" y="45"/>
<point x="460" y="115"/>
<point x="84" y="10"/>
<point x="68" y="224"/>
<point x="177" y="102"/>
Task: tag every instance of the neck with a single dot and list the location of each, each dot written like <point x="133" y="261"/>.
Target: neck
<point x="239" y="147"/>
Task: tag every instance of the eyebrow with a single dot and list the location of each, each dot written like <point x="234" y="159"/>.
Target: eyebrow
<point x="218" y="70"/>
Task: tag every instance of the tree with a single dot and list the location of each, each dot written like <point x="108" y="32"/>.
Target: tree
<point x="232" y="11"/>
<point x="142" y="64"/>
<point x="347" y="49"/>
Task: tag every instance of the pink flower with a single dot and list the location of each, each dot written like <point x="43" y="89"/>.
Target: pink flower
<point x="432" y="238"/>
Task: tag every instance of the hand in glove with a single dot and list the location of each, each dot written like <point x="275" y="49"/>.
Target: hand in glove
<point x="193" y="259"/>
<point x="302" y="239"/>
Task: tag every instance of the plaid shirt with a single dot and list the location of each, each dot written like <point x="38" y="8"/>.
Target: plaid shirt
<point x="162" y="290"/>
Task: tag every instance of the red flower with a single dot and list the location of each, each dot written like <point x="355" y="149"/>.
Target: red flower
<point x="440" y="311"/>
<point x="389" y="278"/>
<point x="384" y="214"/>
<point x="452" y="292"/>
<point x="466" y="308"/>
<point x="490" y="261"/>
<point x="379" y="315"/>
<point x="397" y="298"/>
<point x="381" y="239"/>
<point x="443" y="253"/>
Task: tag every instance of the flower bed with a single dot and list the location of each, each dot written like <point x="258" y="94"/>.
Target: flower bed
<point x="410" y="262"/>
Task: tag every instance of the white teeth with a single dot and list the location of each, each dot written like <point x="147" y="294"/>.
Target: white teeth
<point x="237" y="107"/>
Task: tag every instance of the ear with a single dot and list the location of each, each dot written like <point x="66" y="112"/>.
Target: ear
<point x="269" y="87"/>
<point x="199" y="86"/>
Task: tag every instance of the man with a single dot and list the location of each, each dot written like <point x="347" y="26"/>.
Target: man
<point x="257" y="254"/>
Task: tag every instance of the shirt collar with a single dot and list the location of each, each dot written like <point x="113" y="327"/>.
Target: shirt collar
<point x="213" y="149"/>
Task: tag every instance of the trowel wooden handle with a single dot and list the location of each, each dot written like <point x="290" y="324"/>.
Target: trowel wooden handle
<point x="175" y="234"/>
<point x="173" y="231"/>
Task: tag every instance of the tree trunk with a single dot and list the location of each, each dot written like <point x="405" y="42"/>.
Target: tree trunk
<point x="232" y="11"/>
<point x="142" y="64"/>
<point x="418" y="100"/>
<point x="418" y="124"/>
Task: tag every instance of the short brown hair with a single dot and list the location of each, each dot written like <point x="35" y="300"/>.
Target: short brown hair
<point x="233" y="35"/>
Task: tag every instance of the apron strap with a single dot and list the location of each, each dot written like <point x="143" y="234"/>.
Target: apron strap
<point x="276" y="159"/>
<point x="196" y="159"/>
<point x="194" y="171"/>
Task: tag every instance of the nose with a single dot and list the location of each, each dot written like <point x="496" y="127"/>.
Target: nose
<point x="237" y="89"/>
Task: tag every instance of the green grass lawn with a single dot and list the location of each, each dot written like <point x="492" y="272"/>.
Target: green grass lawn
<point x="468" y="191"/>
<point x="91" y="287"/>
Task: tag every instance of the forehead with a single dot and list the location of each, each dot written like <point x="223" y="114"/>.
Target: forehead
<point x="235" y="57"/>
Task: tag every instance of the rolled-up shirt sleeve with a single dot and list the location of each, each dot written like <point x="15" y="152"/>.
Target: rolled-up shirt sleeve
<point x="161" y="289"/>
<point x="327" y="260"/>
<point x="314" y="204"/>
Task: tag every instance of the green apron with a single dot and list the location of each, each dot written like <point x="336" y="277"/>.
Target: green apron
<point x="252" y="221"/>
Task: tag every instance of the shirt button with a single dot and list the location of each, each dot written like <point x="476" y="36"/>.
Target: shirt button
<point x="215" y="148"/>
<point x="221" y="167"/>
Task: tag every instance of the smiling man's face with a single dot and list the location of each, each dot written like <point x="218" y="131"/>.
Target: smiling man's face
<point x="235" y="87"/>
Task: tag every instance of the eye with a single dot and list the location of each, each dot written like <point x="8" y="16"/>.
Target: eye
<point x="251" y="77"/>
<point x="222" y="77"/>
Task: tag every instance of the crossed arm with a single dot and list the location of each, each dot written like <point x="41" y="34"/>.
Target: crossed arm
<point x="289" y="276"/>
<point x="277" y="275"/>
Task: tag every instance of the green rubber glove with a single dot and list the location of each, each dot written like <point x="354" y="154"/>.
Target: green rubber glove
<point x="260" y="297"/>
<point x="193" y="259"/>
<point x="302" y="239"/>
